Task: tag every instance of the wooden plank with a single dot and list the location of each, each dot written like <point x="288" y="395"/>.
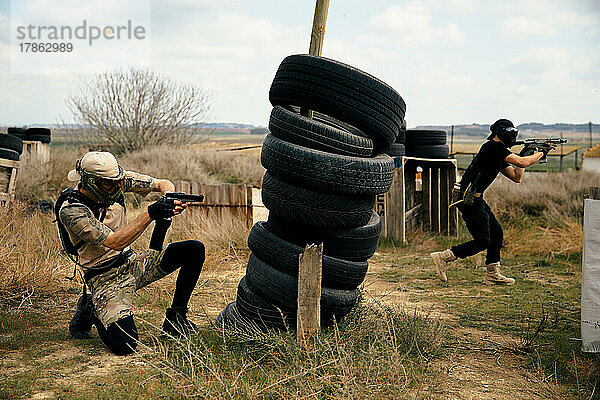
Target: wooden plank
<point x="400" y="226"/>
<point x="444" y="201"/>
<point x="12" y="184"/>
<point x="9" y="163"/>
<point x="308" y="320"/>
<point x="249" y="208"/>
<point x="195" y="188"/>
<point x="435" y="203"/>
<point x="410" y="188"/>
<point x="594" y="192"/>
<point x="414" y="213"/>
<point x="426" y="179"/>
<point x="380" y="209"/>
<point x="453" y="212"/>
<point x="185" y="187"/>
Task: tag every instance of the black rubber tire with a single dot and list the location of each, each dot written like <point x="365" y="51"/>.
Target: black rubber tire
<point x="318" y="135"/>
<point x="341" y="91"/>
<point x="6" y="154"/>
<point x="39" y="138"/>
<point x="11" y="142"/>
<point x="395" y="150"/>
<point x="38" y="131"/>
<point x="282" y="289"/>
<point x="439" y="151"/>
<point x="358" y="244"/>
<point x="283" y="256"/>
<point x="18" y="132"/>
<point x="424" y="137"/>
<point x="250" y="305"/>
<point x="327" y="172"/>
<point x="401" y="138"/>
<point x="327" y="210"/>
<point x="231" y="317"/>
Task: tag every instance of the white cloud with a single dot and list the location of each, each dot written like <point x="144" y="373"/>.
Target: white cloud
<point x="458" y="6"/>
<point x="518" y="27"/>
<point x="411" y="25"/>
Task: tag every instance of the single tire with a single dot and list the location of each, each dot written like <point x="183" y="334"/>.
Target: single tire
<point x="440" y="151"/>
<point x="341" y="91"/>
<point x="314" y="134"/>
<point x="230" y="317"/>
<point x="401" y="138"/>
<point x="424" y="137"/>
<point x="395" y="150"/>
<point x="39" y="138"/>
<point x="18" y="132"/>
<point x="254" y="307"/>
<point x="283" y="256"/>
<point x="327" y="172"/>
<point x="282" y="289"/>
<point x="11" y="142"/>
<point x="357" y="244"/>
<point x="305" y="206"/>
<point x="9" y="155"/>
<point x="38" y="132"/>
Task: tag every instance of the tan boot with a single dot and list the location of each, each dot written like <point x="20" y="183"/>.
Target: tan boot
<point x="494" y="277"/>
<point x="441" y="260"/>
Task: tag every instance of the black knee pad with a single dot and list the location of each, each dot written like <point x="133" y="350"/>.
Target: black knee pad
<point x="187" y="252"/>
<point x="121" y="337"/>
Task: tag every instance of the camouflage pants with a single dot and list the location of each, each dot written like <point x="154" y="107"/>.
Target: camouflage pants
<point x="112" y="291"/>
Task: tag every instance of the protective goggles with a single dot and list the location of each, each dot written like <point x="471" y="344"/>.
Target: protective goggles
<point x="110" y="185"/>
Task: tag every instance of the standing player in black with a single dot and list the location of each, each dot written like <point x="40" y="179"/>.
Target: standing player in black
<point x="494" y="156"/>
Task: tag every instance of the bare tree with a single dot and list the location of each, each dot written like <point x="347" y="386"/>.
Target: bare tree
<point x="135" y="108"/>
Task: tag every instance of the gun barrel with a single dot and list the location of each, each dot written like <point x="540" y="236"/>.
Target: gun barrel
<point x="185" y="198"/>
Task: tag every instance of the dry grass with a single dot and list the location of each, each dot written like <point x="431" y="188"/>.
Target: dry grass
<point x="379" y="352"/>
<point x="29" y="254"/>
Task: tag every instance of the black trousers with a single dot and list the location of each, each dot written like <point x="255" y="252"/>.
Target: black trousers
<point x="485" y="229"/>
<point x="121" y="337"/>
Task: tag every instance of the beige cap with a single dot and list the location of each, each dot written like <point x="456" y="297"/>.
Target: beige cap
<point x="99" y="163"/>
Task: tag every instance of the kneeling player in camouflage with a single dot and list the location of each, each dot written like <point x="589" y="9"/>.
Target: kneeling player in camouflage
<point x="93" y="228"/>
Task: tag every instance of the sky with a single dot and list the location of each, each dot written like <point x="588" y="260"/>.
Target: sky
<point x="452" y="61"/>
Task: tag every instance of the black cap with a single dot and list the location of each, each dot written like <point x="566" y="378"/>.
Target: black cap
<point x="501" y="124"/>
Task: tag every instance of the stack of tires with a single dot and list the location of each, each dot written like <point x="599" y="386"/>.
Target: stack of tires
<point x="322" y="177"/>
<point x="32" y="134"/>
<point x="426" y="143"/>
<point x="398" y="148"/>
<point x="11" y="147"/>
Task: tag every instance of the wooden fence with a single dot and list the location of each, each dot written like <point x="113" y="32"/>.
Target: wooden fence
<point x="404" y="208"/>
<point x="220" y="200"/>
<point x="8" y="179"/>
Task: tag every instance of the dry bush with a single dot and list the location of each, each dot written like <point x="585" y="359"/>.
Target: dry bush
<point x="196" y="165"/>
<point x="29" y="254"/>
<point x="552" y="198"/>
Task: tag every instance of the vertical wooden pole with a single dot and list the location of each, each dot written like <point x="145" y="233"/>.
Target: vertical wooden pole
<point x="453" y="212"/>
<point x="425" y="178"/>
<point x="444" y="199"/>
<point x="435" y="199"/>
<point x="317" y="38"/>
<point x="308" y="321"/>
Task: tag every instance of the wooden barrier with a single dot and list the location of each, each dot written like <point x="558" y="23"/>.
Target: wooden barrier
<point x="35" y="153"/>
<point x="226" y="198"/>
<point x="403" y="208"/>
<point x="8" y="180"/>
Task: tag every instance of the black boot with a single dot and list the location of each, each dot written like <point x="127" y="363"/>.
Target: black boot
<point x="176" y="323"/>
<point x="81" y="323"/>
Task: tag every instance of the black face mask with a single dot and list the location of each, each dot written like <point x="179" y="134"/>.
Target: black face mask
<point x="508" y="136"/>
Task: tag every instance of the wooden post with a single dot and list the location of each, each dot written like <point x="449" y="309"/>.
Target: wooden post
<point x="594" y="192"/>
<point x="435" y="199"/>
<point x="308" y="321"/>
<point x="444" y="199"/>
<point x="453" y="212"/>
<point x="8" y="180"/>
<point x="425" y="178"/>
<point x="317" y="37"/>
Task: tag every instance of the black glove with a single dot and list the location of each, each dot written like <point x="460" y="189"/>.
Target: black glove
<point x="162" y="209"/>
<point x="545" y="148"/>
<point x="526" y="151"/>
